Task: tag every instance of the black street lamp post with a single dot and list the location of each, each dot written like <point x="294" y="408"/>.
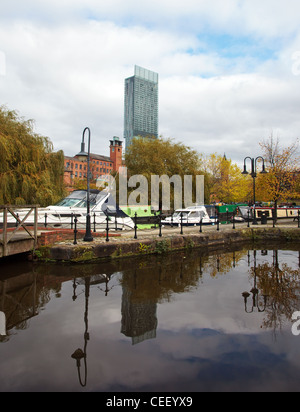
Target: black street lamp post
<point x="254" y="175"/>
<point x="83" y="155"/>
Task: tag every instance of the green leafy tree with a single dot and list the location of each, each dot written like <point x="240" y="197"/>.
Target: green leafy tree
<point x="30" y="172"/>
<point x="160" y="157"/>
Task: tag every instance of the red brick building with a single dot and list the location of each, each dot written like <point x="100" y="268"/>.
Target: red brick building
<point x="99" y="165"/>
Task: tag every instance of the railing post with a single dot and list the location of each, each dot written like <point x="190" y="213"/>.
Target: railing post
<point x="135" y="225"/>
<point x="218" y="222"/>
<point x="36" y="218"/>
<point x="75" y="231"/>
<point x="107" y="228"/>
<point x="160" y="234"/>
<point x="233" y="226"/>
<point x="200" y="230"/>
<point x="181" y="219"/>
<point x="94" y="222"/>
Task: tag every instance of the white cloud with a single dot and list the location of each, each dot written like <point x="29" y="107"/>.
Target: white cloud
<point x="230" y="114"/>
<point x="226" y="76"/>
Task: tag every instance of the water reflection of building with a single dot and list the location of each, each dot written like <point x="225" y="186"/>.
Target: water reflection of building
<point x="139" y="320"/>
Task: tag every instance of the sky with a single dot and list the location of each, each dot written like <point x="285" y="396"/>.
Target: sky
<point x="229" y="70"/>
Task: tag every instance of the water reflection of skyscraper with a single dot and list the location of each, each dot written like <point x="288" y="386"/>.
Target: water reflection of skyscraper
<point x="2" y="324"/>
<point x="139" y="320"/>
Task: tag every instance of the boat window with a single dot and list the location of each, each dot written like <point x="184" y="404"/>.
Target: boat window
<point x="194" y="215"/>
<point x="78" y="199"/>
<point x="67" y="202"/>
<point x="82" y="203"/>
<point x="72" y="199"/>
<point x="178" y="214"/>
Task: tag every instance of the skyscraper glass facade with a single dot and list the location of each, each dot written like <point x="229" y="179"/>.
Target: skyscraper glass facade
<point x="141" y="105"/>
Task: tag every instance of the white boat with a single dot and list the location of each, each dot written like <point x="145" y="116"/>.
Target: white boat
<point x="190" y="216"/>
<point x="64" y="212"/>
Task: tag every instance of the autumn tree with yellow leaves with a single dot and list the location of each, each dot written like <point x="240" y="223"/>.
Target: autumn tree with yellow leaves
<point x="281" y="184"/>
<point x="226" y="180"/>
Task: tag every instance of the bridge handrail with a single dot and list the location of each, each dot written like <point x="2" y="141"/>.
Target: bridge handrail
<point x="20" y="223"/>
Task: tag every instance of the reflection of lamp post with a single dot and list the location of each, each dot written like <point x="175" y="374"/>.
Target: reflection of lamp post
<point x="254" y="175"/>
<point x="79" y="353"/>
<point x="255" y="294"/>
<point x="83" y="156"/>
<point x="107" y="289"/>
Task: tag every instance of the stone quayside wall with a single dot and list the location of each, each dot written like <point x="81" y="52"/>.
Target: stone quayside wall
<point x="120" y="247"/>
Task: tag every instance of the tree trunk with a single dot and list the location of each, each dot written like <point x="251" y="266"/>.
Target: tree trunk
<point x="275" y="212"/>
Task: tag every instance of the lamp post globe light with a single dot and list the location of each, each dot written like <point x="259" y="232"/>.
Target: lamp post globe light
<point x="83" y="155"/>
<point x="254" y="175"/>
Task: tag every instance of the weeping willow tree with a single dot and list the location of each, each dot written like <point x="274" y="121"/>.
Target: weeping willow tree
<point x="30" y="172"/>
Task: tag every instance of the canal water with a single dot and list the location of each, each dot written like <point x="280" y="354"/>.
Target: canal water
<point x="178" y="322"/>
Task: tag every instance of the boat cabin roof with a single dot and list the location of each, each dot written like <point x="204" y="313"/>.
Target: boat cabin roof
<point x="191" y="209"/>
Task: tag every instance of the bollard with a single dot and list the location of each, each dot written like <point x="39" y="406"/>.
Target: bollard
<point x="135" y="225"/>
<point x="107" y="228"/>
<point x="75" y="231"/>
<point x="233" y="227"/>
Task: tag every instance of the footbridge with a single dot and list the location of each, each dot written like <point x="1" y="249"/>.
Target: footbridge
<point x="16" y="235"/>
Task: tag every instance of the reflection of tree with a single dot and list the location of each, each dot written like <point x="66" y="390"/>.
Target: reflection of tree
<point x="145" y="285"/>
<point x="159" y="278"/>
<point x="281" y="285"/>
<point x="21" y="298"/>
<point x="25" y="290"/>
<point x="222" y="263"/>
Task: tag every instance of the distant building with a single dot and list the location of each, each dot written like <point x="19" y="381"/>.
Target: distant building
<point x="100" y="165"/>
<point x="141" y="105"/>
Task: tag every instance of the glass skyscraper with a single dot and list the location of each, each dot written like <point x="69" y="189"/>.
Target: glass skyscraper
<point x="141" y="105"/>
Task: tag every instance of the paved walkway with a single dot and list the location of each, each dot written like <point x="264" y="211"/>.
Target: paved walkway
<point x="167" y="232"/>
